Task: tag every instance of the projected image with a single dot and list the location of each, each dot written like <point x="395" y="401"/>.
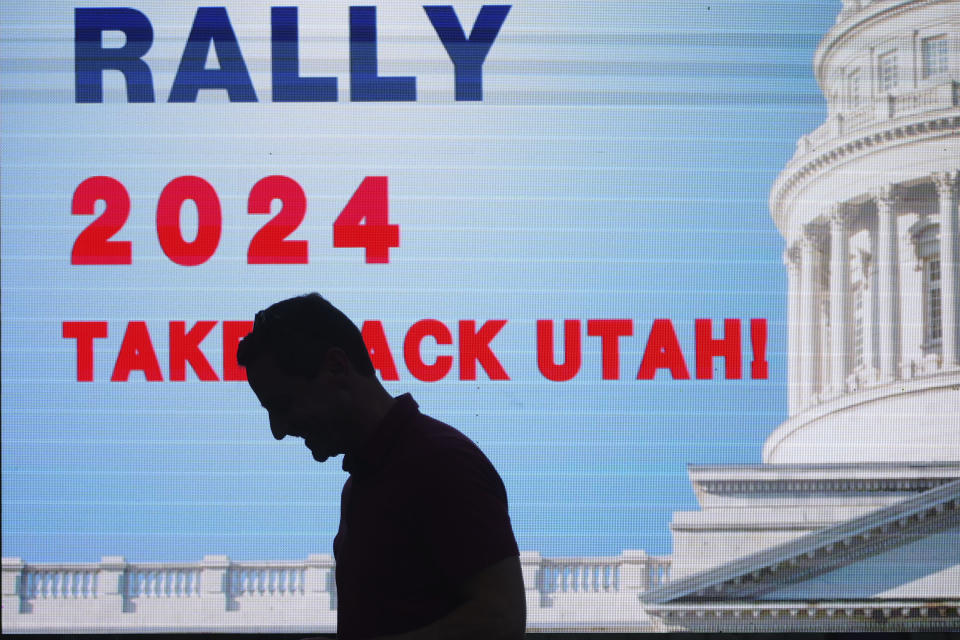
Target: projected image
<point x="653" y="316"/>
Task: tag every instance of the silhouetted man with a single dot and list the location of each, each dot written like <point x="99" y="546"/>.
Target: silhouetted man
<point x="425" y="547"/>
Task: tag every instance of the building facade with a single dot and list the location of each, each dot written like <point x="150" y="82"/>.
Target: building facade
<point x="851" y="522"/>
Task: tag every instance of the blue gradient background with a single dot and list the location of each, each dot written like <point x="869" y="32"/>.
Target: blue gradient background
<point x="618" y="167"/>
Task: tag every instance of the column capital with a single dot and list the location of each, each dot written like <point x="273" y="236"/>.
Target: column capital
<point x="791" y="256"/>
<point x="837" y="214"/>
<point x="946" y="182"/>
<point x="886" y="195"/>
<point x="811" y="236"/>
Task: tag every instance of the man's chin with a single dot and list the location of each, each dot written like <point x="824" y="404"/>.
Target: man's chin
<point x="320" y="455"/>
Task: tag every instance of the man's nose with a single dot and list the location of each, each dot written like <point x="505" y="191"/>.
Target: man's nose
<point x="277" y="427"/>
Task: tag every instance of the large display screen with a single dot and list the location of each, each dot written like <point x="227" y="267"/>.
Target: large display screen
<point x="549" y="218"/>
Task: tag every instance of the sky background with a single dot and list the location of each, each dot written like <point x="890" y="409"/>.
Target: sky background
<point x="618" y="166"/>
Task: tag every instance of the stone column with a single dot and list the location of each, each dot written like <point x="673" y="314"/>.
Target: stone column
<point x="874" y="309"/>
<point x="839" y="298"/>
<point x="791" y="258"/>
<point x="888" y="286"/>
<point x="809" y="317"/>
<point x="948" y="186"/>
<point x="867" y="311"/>
<point x="826" y="338"/>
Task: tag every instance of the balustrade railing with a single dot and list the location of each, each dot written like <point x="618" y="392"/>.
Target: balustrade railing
<point x="931" y="98"/>
<point x="162" y="581"/>
<point x="585" y="575"/>
<point x="217" y="594"/>
<point x="927" y="99"/>
<point x="63" y="581"/>
<point x="599" y="575"/>
<point x="265" y="580"/>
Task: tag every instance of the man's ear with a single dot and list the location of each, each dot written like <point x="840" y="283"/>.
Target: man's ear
<point x="337" y="362"/>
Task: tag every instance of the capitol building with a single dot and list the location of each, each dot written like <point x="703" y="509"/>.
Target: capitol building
<point x="852" y="520"/>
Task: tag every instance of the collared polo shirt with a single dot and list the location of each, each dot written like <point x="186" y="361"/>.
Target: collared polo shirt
<point x="422" y="512"/>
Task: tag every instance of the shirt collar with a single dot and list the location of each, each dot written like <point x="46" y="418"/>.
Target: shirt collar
<point x="372" y="455"/>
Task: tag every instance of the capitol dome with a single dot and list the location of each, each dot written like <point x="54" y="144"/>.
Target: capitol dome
<point x="868" y="209"/>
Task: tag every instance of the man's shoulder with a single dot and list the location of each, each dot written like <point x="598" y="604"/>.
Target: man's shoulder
<point x="432" y="437"/>
<point x="434" y="449"/>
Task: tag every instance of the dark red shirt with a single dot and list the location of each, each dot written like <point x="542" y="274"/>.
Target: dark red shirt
<point x="422" y="511"/>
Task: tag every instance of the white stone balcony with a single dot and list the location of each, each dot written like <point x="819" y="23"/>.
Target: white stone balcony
<point x="844" y="124"/>
<point x="218" y="595"/>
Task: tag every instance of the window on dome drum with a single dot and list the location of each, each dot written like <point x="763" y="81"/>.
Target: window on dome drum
<point x="853" y="89"/>
<point x="935" y="52"/>
<point x="932" y="299"/>
<point x="887" y="73"/>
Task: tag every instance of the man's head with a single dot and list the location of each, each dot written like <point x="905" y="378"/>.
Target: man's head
<point x="308" y="365"/>
<point x="299" y="331"/>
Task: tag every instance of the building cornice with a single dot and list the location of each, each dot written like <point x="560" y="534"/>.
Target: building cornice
<point x="809" y="479"/>
<point x="819" y="552"/>
<point x="802" y="170"/>
<point x="783" y="615"/>
<point x="878" y="485"/>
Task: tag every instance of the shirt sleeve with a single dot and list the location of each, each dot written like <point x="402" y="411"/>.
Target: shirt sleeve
<point x="464" y="514"/>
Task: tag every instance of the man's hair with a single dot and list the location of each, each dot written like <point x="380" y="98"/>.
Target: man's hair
<point x="299" y="331"/>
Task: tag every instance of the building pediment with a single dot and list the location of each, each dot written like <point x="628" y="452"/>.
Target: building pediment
<point x="839" y="571"/>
